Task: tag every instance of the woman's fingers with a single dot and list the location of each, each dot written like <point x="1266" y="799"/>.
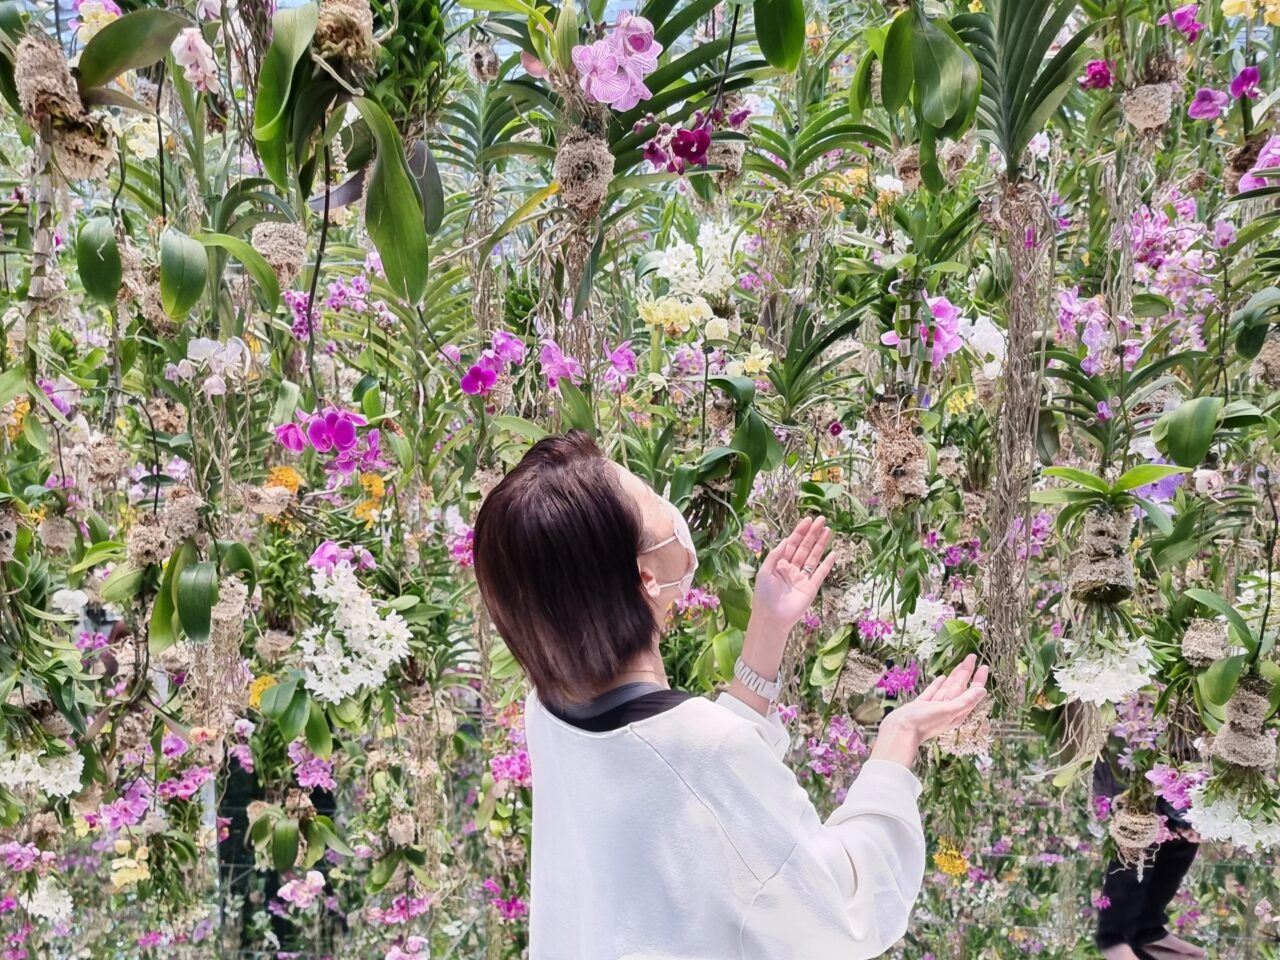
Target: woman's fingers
<point x="810" y="561"/>
<point x="824" y="568"/>
<point x="806" y="543"/>
<point x="959" y="678"/>
<point x="931" y="691"/>
<point x="980" y="678"/>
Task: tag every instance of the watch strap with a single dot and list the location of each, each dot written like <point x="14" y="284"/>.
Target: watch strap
<point x="769" y="689"/>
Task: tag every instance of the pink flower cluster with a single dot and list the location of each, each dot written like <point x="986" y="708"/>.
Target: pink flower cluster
<point x="621" y="367"/>
<point x="21" y="857"/>
<point x="1268" y="159"/>
<point x="126" y="810"/>
<point x="510" y="908"/>
<point x="506" y="349"/>
<point x="1098" y="75"/>
<point x="303" y="893"/>
<point x="674" y="148"/>
<point x="413" y="948"/>
<point x="185" y="786"/>
<point x="613" y="70"/>
<point x="898" y="680"/>
<point x="195" y="56"/>
<point x="309" y="770"/>
<point x="328" y="555"/>
<point x="941" y="338"/>
<point x="1184" y="21"/>
<point x="403" y="909"/>
<point x="1174" y="786"/>
<point x="334" y="431"/>
<point x="839" y="752"/>
<point x="1087" y="320"/>
<point x="1173" y="262"/>
<point x="557" y="365"/>
<point x="697" y="599"/>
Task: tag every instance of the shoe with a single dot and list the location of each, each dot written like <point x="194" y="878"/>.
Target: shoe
<point x="1170" y="947"/>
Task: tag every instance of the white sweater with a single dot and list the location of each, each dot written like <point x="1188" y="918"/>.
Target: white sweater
<point x="683" y="836"/>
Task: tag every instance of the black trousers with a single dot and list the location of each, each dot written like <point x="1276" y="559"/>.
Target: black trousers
<point x="1137" y="914"/>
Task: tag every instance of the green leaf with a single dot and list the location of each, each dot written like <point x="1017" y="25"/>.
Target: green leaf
<point x="576" y="408"/>
<point x="780" y="32"/>
<point x="253" y="261"/>
<point x="431" y="189"/>
<point x="896" y="70"/>
<point x="1147" y="473"/>
<point x="12" y="382"/>
<point x="123" y="584"/>
<point x="1157" y="515"/>
<point x="164" y="615"/>
<point x="319" y="739"/>
<point x="1186" y="434"/>
<point x="98" y="259"/>
<point x="295" y="716"/>
<point x="276" y="699"/>
<point x="520" y="427"/>
<point x="236" y="558"/>
<point x="291" y="30"/>
<point x="1219" y="681"/>
<point x="1080" y="478"/>
<point x="939" y="72"/>
<point x="393" y="210"/>
<point x="284" y="844"/>
<point x="184" y="269"/>
<point x="197" y="592"/>
<point x="137" y="39"/>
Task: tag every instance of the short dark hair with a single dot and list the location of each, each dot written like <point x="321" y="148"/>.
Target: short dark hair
<point x="555" y="558"/>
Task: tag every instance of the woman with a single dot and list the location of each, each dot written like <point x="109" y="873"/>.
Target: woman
<point x="665" y="826"/>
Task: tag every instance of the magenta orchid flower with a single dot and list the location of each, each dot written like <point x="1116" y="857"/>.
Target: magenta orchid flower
<point x="622" y="366"/>
<point x="1208" y="104"/>
<point x="291" y="437"/>
<point x="557" y="365"/>
<point x="1097" y="75"/>
<point x="334" y="429"/>
<point x="1245" y="84"/>
<point x="508" y="346"/>
<point x="1184" y="21"/>
<point x="478" y="380"/>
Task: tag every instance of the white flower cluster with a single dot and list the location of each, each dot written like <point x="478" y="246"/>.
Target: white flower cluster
<point x="920" y="628"/>
<point x="1106" y="676"/>
<point x="48" y="901"/>
<point x="360" y="646"/>
<point x="711" y="275"/>
<point x="56" y="776"/>
<point x="917" y="632"/>
<point x="1223" y="820"/>
<point x="219" y="362"/>
<point x="988" y="341"/>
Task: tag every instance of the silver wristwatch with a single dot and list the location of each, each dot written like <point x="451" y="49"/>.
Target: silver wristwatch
<point x="769" y="689"/>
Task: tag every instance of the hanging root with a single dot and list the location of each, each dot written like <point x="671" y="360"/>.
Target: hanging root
<point x="1022" y="216"/>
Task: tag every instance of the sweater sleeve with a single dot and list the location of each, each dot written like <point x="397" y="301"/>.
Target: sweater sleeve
<point x="771" y="728"/>
<point x="847" y="888"/>
<point x="843" y="889"/>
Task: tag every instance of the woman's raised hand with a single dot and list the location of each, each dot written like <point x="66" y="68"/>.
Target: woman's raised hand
<point x="791" y="574"/>
<point x="945" y="703"/>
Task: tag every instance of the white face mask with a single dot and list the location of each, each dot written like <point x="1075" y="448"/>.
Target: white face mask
<point x="685" y="539"/>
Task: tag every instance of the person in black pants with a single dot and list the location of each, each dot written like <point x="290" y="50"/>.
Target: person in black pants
<point x="1132" y="925"/>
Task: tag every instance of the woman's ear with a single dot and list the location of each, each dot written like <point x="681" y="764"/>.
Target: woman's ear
<point x="649" y="582"/>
